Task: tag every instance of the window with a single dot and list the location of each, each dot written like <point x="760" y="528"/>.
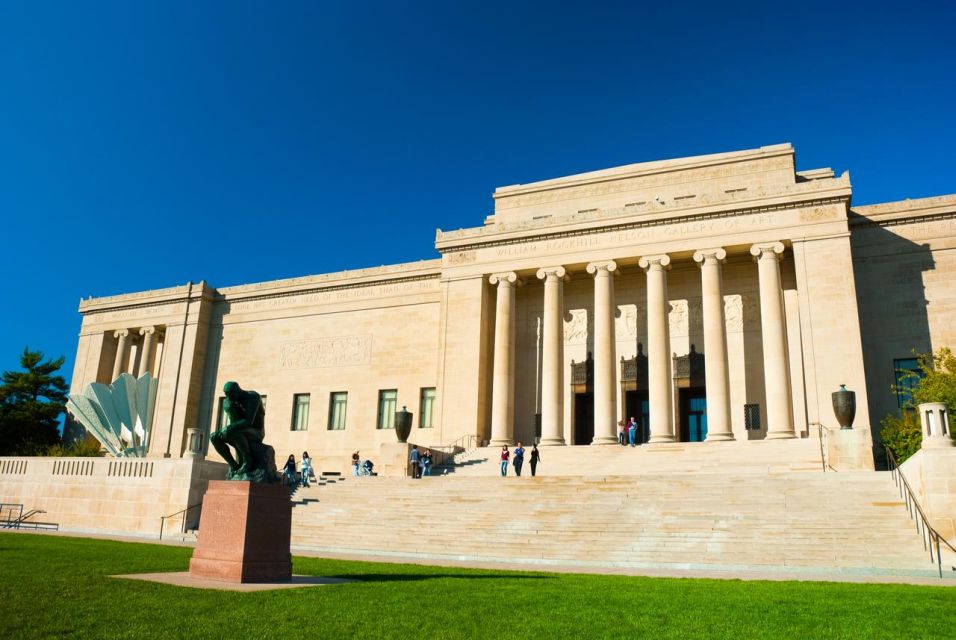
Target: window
<point x="387" y="402"/>
<point x="752" y="417"/>
<point x="300" y="412"/>
<point x="907" y="374"/>
<point x="338" y="401"/>
<point x="426" y="410"/>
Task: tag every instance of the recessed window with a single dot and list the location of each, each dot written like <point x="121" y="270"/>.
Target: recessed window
<point x="908" y="374"/>
<point x="426" y="410"/>
<point x="300" y="412"/>
<point x="338" y="402"/>
<point x="752" y="417"/>
<point x="387" y="403"/>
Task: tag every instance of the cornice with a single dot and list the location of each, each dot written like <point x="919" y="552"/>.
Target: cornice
<point x="659" y="221"/>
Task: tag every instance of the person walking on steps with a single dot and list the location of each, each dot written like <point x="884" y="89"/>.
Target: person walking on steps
<point x="535" y="458"/>
<point x="505" y="454"/>
<point x="288" y="472"/>
<point x="306" y="466"/>
<point x="415" y="459"/>
<point x="519" y="459"/>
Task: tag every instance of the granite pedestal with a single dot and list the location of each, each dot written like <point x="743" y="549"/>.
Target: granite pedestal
<point x="244" y="533"/>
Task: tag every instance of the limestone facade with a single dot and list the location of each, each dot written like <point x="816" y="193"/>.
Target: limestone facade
<point x="726" y="290"/>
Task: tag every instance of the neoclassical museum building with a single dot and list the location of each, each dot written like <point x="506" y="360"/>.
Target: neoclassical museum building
<point x="713" y="298"/>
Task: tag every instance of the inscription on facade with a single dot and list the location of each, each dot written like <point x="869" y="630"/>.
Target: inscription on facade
<point x="631" y="236"/>
<point x="327" y="352"/>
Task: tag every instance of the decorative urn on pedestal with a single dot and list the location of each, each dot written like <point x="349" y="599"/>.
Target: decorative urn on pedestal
<point x="844" y="406"/>
<point x="403" y="424"/>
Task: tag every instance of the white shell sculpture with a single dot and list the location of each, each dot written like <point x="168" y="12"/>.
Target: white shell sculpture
<point x="119" y="415"/>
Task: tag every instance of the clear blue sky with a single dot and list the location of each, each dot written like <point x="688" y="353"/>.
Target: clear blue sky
<point x="145" y="144"/>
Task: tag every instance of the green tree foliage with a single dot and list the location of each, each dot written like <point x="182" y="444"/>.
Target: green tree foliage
<point x="936" y="382"/>
<point x="31" y="402"/>
<point x="84" y="448"/>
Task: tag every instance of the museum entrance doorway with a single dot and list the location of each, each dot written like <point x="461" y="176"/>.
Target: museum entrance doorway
<point x="693" y="414"/>
<point x="583" y="418"/>
<point x="637" y="406"/>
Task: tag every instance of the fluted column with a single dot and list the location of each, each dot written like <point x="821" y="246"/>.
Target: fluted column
<point x="658" y="349"/>
<point x="715" y="345"/>
<point x="121" y="348"/>
<point x="149" y="340"/>
<point x="503" y="387"/>
<point x="605" y="394"/>
<point x="552" y="366"/>
<point x="773" y="328"/>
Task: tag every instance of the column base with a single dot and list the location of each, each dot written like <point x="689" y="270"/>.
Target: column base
<point x="719" y="437"/>
<point x="552" y="442"/>
<point x="599" y="440"/>
<point x="500" y="442"/>
<point x="660" y="439"/>
<point x="781" y="435"/>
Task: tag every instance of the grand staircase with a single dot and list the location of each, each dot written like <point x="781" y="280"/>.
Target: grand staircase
<point x="747" y="508"/>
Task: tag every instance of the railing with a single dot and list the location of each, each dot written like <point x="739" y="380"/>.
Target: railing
<point x="824" y="434"/>
<point x="452" y="451"/>
<point x="162" y="520"/>
<point x="21" y="521"/>
<point x="927" y="533"/>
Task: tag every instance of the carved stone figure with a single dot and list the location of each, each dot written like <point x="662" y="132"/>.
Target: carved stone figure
<point x="244" y="429"/>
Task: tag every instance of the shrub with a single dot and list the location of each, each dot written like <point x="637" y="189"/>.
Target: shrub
<point x="902" y="435"/>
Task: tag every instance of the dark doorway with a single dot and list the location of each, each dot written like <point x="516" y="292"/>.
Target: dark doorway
<point x="637" y="406"/>
<point x="693" y="415"/>
<point x="583" y="418"/>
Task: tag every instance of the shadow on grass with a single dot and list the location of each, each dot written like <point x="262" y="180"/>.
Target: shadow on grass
<point x="412" y="577"/>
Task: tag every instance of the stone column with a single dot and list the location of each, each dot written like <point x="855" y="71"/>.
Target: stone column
<point x="149" y="339"/>
<point x="121" y="348"/>
<point x="605" y="393"/>
<point x="715" y="345"/>
<point x="658" y="348"/>
<point x="552" y="366"/>
<point x="773" y="328"/>
<point x="503" y="388"/>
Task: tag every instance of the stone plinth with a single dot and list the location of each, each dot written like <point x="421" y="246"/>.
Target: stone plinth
<point x="244" y="533"/>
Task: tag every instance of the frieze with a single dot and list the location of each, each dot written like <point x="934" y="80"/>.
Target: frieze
<point x="631" y="236"/>
<point x="462" y="257"/>
<point x="818" y="213"/>
<point x="626" y="320"/>
<point x="335" y="294"/>
<point x="138" y="312"/>
<point x="327" y="352"/>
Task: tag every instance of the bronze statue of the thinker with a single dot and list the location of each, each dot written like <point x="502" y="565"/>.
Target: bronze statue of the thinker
<point x="243" y="427"/>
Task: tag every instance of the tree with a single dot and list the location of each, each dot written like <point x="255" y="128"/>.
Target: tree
<point x="31" y="402"/>
<point x="935" y="382"/>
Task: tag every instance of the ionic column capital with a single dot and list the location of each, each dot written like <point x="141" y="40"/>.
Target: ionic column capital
<point x="121" y="333"/>
<point x="147" y="331"/>
<point x="552" y="273"/>
<point x="659" y="261"/>
<point x="710" y="256"/>
<point x="506" y="277"/>
<point x="602" y="266"/>
<point x="767" y="250"/>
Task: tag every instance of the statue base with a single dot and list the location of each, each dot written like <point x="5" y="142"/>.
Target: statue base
<point x="244" y="533"/>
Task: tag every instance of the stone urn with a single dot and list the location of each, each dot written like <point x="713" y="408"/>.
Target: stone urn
<point x="403" y="424"/>
<point x="844" y="406"/>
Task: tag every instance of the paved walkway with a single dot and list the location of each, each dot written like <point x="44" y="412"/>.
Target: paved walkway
<point x="807" y="576"/>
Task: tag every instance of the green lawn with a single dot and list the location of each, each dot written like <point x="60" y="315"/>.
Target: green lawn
<point x="54" y="587"/>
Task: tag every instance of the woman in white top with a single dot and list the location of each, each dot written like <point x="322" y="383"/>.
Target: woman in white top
<point x="306" y="468"/>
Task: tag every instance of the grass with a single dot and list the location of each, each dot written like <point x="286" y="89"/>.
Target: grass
<point x="54" y="587"/>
